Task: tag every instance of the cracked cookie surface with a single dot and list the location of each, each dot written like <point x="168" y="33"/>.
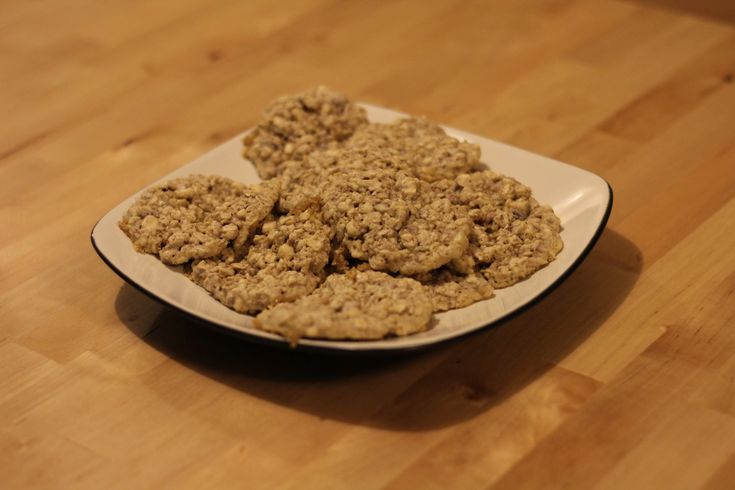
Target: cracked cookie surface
<point x="449" y="290"/>
<point x="356" y="305"/>
<point x="285" y="261"/>
<point x="413" y="146"/>
<point x="512" y="236"/>
<point x="294" y="126"/>
<point x="197" y="217"/>
<point x="419" y="147"/>
<point x="394" y="222"/>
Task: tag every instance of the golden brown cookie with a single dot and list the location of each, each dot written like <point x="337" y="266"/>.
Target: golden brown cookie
<point x="355" y="305"/>
<point x="513" y="236"/>
<point x="285" y="262"/>
<point x="393" y="221"/>
<point x="294" y="126"/>
<point x="449" y="290"/>
<point x="197" y="217"/>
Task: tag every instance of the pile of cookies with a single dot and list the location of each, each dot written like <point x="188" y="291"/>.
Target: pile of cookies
<point x="359" y="230"/>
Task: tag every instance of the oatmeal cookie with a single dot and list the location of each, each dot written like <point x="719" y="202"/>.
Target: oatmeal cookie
<point x="294" y="126"/>
<point x="197" y="217"/>
<point x="393" y="221"/>
<point x="304" y="182"/>
<point x="413" y="146"/>
<point x="523" y="248"/>
<point x="285" y="261"/>
<point x="355" y="305"/>
<point x="513" y="236"/>
<point x="449" y="290"/>
<point x="419" y="147"/>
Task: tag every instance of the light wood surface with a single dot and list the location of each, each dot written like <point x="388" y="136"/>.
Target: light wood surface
<point x="621" y="378"/>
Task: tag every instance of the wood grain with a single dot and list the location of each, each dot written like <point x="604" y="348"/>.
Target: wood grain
<point x="621" y="378"/>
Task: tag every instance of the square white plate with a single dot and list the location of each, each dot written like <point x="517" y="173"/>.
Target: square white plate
<point x="581" y="199"/>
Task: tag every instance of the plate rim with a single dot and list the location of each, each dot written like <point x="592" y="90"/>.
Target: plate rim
<point x="282" y="343"/>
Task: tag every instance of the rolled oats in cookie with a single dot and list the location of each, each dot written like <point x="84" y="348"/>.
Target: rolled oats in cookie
<point x="419" y="147"/>
<point x="413" y="146"/>
<point x="523" y="248"/>
<point x="294" y="126"/>
<point x="247" y="290"/>
<point x="298" y="241"/>
<point x="285" y="261"/>
<point x="197" y="217"/>
<point x="449" y="290"/>
<point x="356" y="305"/>
<point x="304" y="182"/>
<point x="393" y="221"/>
<point x="512" y="236"/>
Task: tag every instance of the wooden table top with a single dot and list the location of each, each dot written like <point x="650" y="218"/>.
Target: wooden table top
<point x="621" y="378"/>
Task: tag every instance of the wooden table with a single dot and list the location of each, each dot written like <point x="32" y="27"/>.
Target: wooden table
<point x="621" y="378"/>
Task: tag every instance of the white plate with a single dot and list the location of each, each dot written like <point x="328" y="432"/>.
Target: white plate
<point x="581" y="199"/>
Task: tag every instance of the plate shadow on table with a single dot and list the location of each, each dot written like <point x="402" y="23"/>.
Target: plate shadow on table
<point x="423" y="390"/>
